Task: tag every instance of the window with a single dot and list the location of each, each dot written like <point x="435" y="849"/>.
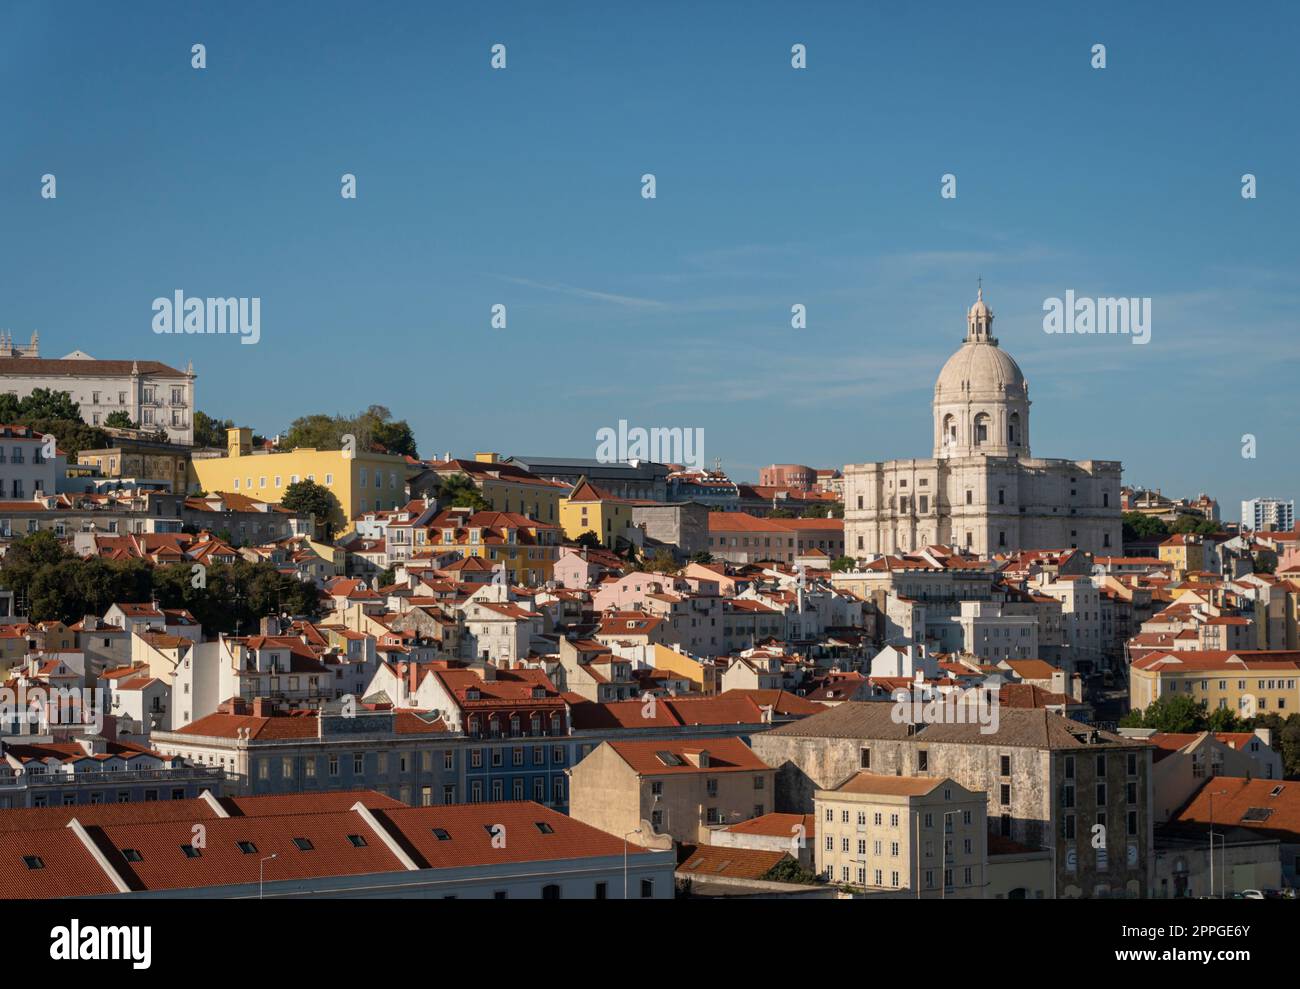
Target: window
<point x="647" y="889"/>
<point x="304" y="844"/>
<point x="34" y="862"/>
<point x="132" y="855"/>
<point x="191" y="852"/>
<point x="247" y="847"/>
<point x="866" y="759"/>
<point x="602" y="891"/>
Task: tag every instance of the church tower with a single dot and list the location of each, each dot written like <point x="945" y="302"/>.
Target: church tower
<point x="981" y="400"/>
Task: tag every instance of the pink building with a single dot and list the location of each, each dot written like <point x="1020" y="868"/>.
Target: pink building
<point x="787" y="476"/>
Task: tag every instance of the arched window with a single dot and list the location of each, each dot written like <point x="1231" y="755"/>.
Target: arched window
<point x="551" y="892"/>
<point x="950" y="429"/>
<point x="981" y="429"/>
<point x="1013" y="429"/>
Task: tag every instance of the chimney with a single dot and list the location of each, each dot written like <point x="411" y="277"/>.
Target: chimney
<point x="487" y="458"/>
<point x="263" y="707"/>
<point x="1058" y="681"/>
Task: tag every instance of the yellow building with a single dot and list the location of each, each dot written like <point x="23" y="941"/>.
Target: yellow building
<point x="505" y="487"/>
<point x="360" y="480"/>
<point x="704" y="677"/>
<point x="524" y="548"/>
<point x="1184" y="552"/>
<point x="589" y="509"/>
<point x="1246" y="683"/>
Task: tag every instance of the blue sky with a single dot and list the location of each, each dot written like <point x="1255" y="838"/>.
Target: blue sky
<point x="775" y="187"/>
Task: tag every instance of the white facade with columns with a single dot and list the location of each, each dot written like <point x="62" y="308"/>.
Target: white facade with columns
<point x="981" y="490"/>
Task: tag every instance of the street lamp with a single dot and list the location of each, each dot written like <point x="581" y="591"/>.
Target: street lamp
<point x="259" y="872"/>
<point x="1213" y="794"/>
<point x="625" y="838"/>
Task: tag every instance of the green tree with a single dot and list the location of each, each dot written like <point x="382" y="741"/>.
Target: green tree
<point x="663" y="562"/>
<point x="1175" y="714"/>
<point x="843" y="563"/>
<point x="788" y="870"/>
<point x="43" y="403"/>
<point x="396" y="437"/>
<point x="1143" y="528"/>
<point x="458" y="491"/>
<point x="234" y="597"/>
<point x="10" y="408"/>
<point x="71" y="435"/>
<point x="701" y="557"/>
<point x="27" y="557"/>
<point x="1223" y="719"/>
<point x="209" y="431"/>
<point x="315" y="500"/>
<point x="588" y="540"/>
<point x="318" y="431"/>
<point x="1286" y="739"/>
<point x="1195" y="524"/>
<point x="1131" y="719"/>
<point x="119" y="420"/>
<point x="373" y="426"/>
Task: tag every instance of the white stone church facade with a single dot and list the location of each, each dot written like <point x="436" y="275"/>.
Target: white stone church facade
<point x="982" y="491"/>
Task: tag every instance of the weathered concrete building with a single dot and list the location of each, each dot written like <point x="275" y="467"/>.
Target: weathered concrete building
<point x="681" y="524"/>
<point x="683" y="787"/>
<point x="1049" y="782"/>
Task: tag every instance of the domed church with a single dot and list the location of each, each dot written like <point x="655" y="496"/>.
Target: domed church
<point x="982" y="491"/>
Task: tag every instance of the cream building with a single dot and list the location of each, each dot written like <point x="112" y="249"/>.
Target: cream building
<point x="981" y="491"/>
<point x="154" y="395"/>
<point x="919" y="833"/>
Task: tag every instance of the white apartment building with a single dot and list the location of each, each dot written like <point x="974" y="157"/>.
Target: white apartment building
<point x="25" y="471"/>
<point x="1081" y="641"/>
<point x="1264" y="514"/>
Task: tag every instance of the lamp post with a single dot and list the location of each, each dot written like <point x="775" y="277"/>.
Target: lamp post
<point x="260" y="866"/>
<point x="1213" y="794"/>
<point x="625" y="838"/>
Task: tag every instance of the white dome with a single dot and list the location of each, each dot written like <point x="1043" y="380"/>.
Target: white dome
<point x="981" y="400"/>
<point x="979" y="369"/>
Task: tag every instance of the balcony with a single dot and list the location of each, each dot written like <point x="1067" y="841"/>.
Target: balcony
<point x="178" y="775"/>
